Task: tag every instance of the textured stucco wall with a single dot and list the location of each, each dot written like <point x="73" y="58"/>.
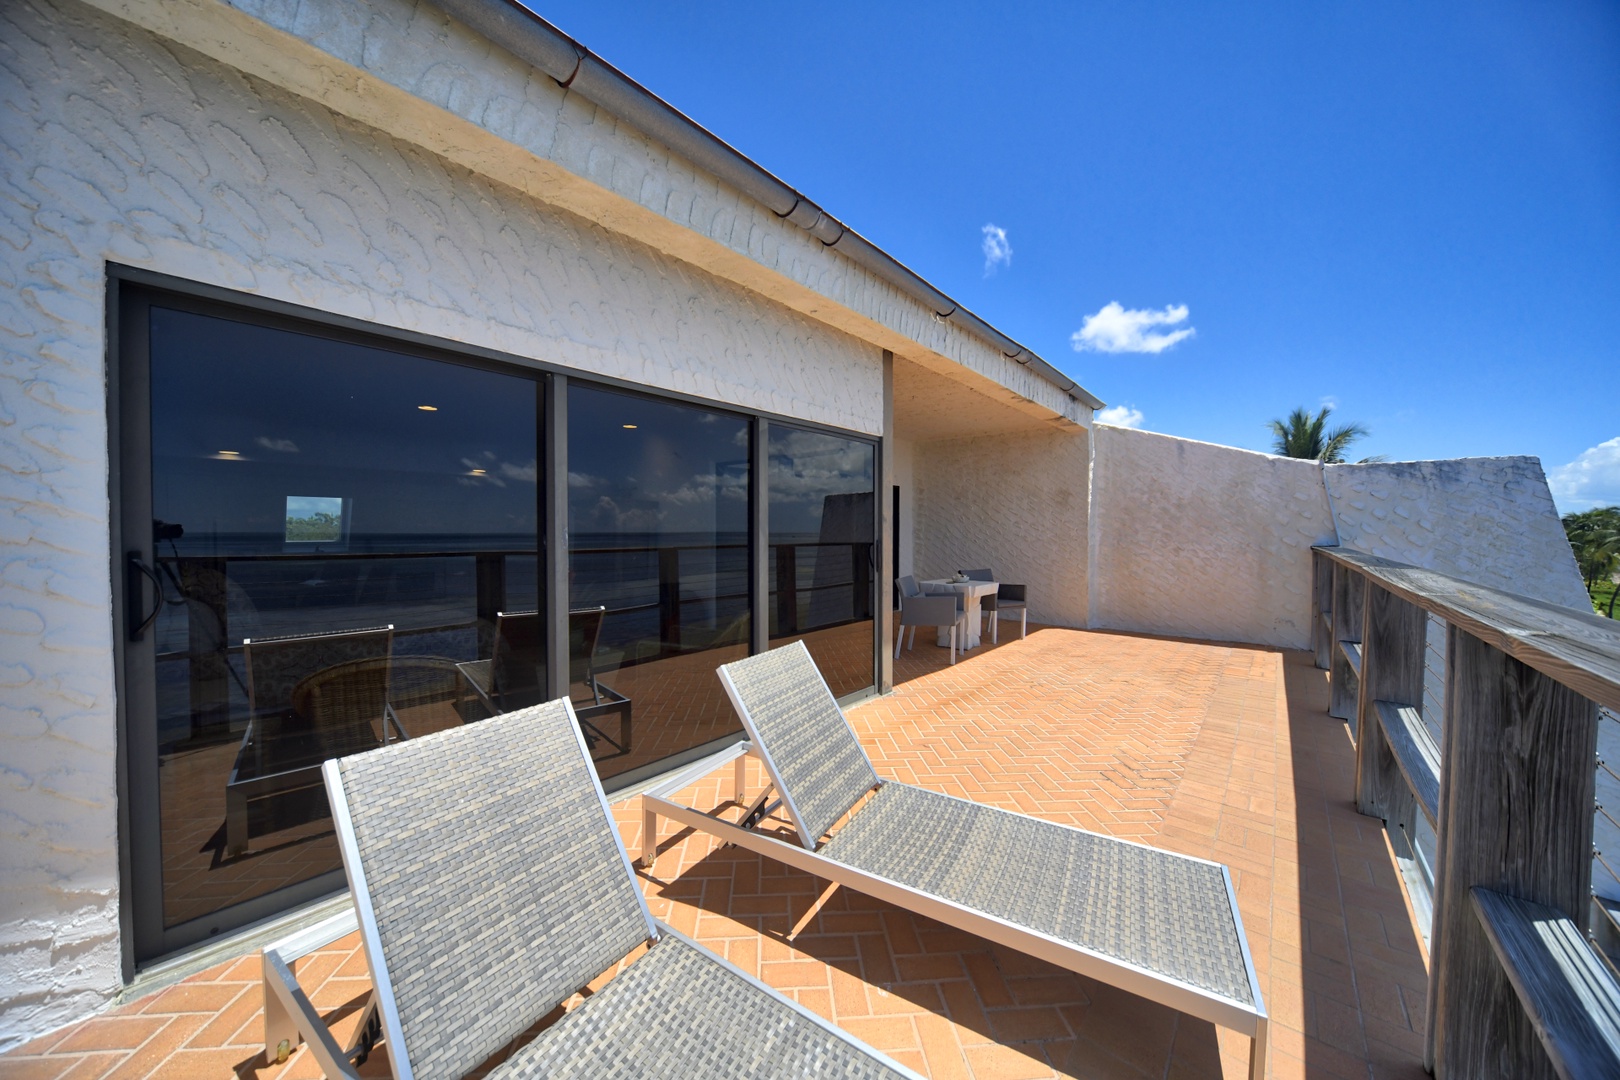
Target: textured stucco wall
<point x="1204" y="541"/>
<point x="409" y="69"/>
<point x="1490" y="520"/>
<point x="118" y="146"/>
<point x="1014" y="503"/>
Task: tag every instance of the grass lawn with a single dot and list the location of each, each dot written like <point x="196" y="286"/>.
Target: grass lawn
<point x="1602" y="593"/>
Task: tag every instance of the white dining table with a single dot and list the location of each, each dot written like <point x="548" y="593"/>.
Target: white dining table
<point x="972" y="593"/>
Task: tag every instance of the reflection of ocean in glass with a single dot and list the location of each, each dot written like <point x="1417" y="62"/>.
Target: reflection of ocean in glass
<point x="822" y="561"/>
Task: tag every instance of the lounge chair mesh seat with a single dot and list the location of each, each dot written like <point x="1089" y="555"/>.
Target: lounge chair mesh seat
<point x="485" y="862"/>
<point x="1154" y="909"/>
<point x="675" y="1012"/>
<point x="1157" y="910"/>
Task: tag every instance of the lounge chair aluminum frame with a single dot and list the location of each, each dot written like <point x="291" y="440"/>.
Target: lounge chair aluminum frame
<point x="290" y="1017"/>
<point x="1183" y="997"/>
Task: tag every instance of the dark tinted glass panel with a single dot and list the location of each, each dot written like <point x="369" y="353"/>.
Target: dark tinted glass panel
<point x="822" y="525"/>
<point x="658" y="572"/>
<point x="342" y="532"/>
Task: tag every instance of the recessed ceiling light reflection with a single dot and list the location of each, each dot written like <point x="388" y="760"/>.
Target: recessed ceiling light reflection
<point x="428" y="408"/>
<point x="629" y="427"/>
<point x="230" y="453"/>
<point x="477" y="472"/>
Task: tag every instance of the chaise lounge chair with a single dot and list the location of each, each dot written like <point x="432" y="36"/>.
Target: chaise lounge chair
<point x="490" y="884"/>
<point x="1160" y="925"/>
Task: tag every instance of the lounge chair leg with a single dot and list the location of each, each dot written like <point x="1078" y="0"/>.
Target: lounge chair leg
<point x="649" y="834"/>
<point x="899" y="640"/>
<point x="953" y="643"/>
<point x="995" y="628"/>
<point x="739" y="779"/>
<point x="294" y="1008"/>
<point x="1257" y="1051"/>
<point x="913" y="643"/>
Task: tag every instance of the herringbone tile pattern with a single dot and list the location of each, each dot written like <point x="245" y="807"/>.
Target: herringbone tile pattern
<point x="1219" y="751"/>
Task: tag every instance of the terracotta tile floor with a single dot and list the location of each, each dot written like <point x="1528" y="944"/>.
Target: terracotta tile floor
<point x="1215" y="750"/>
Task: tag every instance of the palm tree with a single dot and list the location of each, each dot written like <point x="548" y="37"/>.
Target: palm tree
<point x="1594" y="535"/>
<point x="1305" y="436"/>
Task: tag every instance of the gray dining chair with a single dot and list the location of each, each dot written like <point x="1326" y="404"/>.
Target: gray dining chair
<point x="921" y="610"/>
<point x="1009" y="598"/>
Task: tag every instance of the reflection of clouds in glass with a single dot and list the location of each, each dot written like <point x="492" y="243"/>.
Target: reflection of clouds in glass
<point x="583" y="480"/>
<point x="303" y="506"/>
<point x="606" y="515"/>
<point x="528" y="474"/>
<point x="280" y="446"/>
<point x="498" y="473"/>
<point x="702" y="489"/>
<point x="484" y="475"/>
<point x="806" y="467"/>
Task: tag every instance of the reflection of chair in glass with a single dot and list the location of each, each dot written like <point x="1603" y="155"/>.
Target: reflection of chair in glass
<point x="310" y="697"/>
<point x="514" y="675"/>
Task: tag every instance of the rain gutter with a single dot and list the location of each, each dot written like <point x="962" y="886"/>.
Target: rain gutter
<point x="535" y="41"/>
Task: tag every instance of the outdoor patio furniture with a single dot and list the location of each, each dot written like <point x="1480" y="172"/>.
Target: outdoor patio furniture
<point x="1155" y="923"/>
<point x="969" y="595"/>
<point x="1005" y="598"/>
<point x="919" y="610"/>
<point x="490" y="885"/>
<point x="310" y="697"/>
<point x="514" y="675"/>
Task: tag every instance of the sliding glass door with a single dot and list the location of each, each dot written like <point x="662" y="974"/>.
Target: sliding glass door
<point x="332" y="539"/>
<point x="823" y="558"/>
<point x="325" y="537"/>
<point x="658" y="552"/>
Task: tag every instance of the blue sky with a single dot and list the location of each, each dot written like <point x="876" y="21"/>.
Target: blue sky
<point x="1411" y="211"/>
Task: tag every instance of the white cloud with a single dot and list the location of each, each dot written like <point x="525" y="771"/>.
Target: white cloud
<point x="1121" y="416"/>
<point x="997" y="251"/>
<point x="1592" y="479"/>
<point x="1115" y="329"/>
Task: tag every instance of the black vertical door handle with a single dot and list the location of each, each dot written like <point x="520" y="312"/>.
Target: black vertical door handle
<point x="134" y="571"/>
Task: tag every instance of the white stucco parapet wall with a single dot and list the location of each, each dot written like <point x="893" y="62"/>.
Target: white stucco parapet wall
<point x="1198" y="540"/>
<point x="121" y="147"/>
<point x="1488" y="520"/>
<point x="419" y="75"/>
<point x="1016" y="504"/>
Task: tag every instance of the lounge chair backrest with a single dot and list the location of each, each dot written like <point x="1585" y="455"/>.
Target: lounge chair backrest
<point x="489" y="880"/>
<point x="275" y="666"/>
<point x="810" y="750"/>
<point x="517" y="660"/>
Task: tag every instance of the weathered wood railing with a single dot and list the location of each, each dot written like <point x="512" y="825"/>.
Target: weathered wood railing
<point x="1515" y="990"/>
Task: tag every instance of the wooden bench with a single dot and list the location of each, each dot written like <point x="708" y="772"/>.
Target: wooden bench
<point x="1569" y="994"/>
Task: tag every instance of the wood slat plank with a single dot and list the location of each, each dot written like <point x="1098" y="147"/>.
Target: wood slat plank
<point x="1578" y="648"/>
<point x="1415" y="754"/>
<point x="1352" y="656"/>
<point x="1570" y="996"/>
<point x="1516" y="814"/>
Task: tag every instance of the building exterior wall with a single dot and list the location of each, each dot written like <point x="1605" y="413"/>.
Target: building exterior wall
<point x="1204" y="541"/>
<point x="1014" y="503"/>
<point x="415" y="72"/>
<point x="124" y="148"/>
<point x="1490" y="520"/>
